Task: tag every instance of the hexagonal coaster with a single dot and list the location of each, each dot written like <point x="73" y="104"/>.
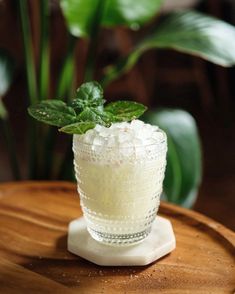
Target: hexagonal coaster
<point x="159" y="242"/>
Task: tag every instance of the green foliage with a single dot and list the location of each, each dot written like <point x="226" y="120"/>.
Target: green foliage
<point x="189" y="32"/>
<point x="80" y="14"/>
<point x="184" y="171"/>
<point x="89" y="111"/>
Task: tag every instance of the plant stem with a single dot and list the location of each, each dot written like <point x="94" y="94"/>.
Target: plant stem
<point x="44" y="72"/>
<point x="44" y="51"/>
<point x="123" y="65"/>
<point x="66" y="75"/>
<point x="32" y="86"/>
<point x="94" y="34"/>
<point x="7" y="133"/>
<point x="28" y="52"/>
<point x="3" y="111"/>
<point x="63" y="88"/>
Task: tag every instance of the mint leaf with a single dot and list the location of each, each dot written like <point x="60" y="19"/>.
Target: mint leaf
<point x="125" y="110"/>
<point x="78" y="128"/>
<point x="96" y="115"/>
<point x="53" y="112"/>
<point x="88" y="95"/>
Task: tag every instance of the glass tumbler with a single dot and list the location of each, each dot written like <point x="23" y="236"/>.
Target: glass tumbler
<point x="119" y="189"/>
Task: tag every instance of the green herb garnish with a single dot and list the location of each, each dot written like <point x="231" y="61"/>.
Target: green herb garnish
<point x="84" y="112"/>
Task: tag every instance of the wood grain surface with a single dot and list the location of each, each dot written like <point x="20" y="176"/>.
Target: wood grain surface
<point x="33" y="257"/>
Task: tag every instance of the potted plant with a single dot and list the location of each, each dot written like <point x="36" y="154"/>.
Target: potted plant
<point x="189" y="32"/>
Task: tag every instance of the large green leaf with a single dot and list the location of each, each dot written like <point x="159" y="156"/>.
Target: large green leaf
<point x="80" y="14"/>
<point x="194" y="33"/>
<point x="130" y="13"/>
<point x="183" y="173"/>
<point x="6" y="75"/>
<point x="189" y="32"/>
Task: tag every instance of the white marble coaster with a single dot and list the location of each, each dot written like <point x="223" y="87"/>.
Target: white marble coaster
<point x="159" y="242"/>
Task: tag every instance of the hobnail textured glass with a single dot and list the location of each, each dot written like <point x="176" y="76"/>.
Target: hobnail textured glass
<point x="119" y="189"/>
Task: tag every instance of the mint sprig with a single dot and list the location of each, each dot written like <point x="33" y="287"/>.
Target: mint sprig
<point x="84" y="112"/>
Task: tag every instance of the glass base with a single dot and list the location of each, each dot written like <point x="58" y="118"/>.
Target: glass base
<point x="119" y="239"/>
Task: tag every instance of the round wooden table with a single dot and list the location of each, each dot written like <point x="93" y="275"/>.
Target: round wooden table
<point x="33" y="257"/>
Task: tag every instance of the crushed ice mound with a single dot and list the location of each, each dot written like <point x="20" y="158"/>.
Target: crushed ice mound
<point x="133" y="134"/>
<point x="122" y="142"/>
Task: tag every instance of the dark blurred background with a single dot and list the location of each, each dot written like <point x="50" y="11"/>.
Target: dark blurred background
<point x="161" y="78"/>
